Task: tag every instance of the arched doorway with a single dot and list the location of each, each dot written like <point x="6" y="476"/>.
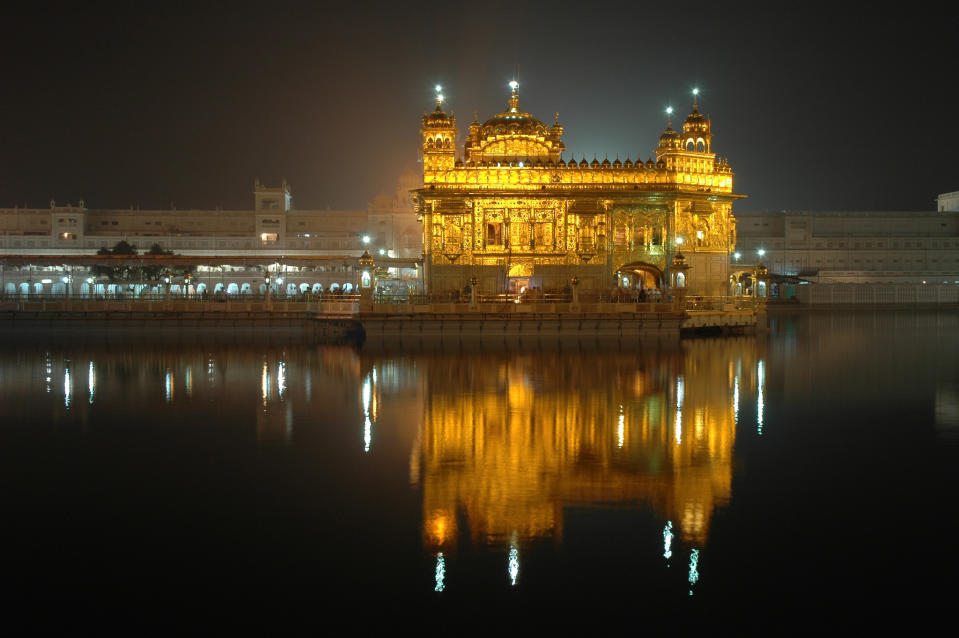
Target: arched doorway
<point x="640" y="276"/>
<point x="519" y="278"/>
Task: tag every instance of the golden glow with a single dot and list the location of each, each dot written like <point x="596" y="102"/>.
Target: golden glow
<point x="511" y="198"/>
<point x="514" y="441"/>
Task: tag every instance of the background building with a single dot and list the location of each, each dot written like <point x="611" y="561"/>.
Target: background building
<point x="248" y="242"/>
<point x="853" y="247"/>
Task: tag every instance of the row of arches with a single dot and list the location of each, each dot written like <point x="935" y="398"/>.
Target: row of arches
<point x="28" y="289"/>
<point x="439" y="142"/>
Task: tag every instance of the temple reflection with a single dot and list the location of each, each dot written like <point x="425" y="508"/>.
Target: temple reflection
<point x="507" y="442"/>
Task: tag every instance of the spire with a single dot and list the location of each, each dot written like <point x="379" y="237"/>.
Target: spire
<point x="669" y="117"/>
<point x="695" y="100"/>
<point x="514" y="97"/>
<point x="439" y="97"/>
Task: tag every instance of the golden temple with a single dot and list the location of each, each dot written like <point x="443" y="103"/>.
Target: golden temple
<point x="512" y="213"/>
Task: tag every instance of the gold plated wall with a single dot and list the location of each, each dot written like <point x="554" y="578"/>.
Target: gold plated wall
<point x="512" y="203"/>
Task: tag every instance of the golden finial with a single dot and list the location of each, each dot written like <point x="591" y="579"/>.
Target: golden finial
<point x="695" y="99"/>
<point x="514" y="97"/>
<point x="557" y="118"/>
<point x="669" y="117"/>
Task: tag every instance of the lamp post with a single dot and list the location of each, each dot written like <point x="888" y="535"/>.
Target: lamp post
<point x="574" y="284"/>
<point x="187" y="282"/>
<point x="762" y="276"/>
<point x="473" y="283"/>
<point x="267" y="279"/>
<point x="168" y="280"/>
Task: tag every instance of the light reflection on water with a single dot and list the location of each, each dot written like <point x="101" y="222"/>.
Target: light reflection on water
<point x="512" y="454"/>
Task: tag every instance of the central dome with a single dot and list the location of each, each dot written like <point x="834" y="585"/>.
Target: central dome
<point x="513" y="135"/>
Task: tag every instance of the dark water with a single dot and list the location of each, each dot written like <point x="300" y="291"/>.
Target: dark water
<point x="812" y="467"/>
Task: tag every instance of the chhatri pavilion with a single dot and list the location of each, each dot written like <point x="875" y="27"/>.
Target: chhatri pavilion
<point x="510" y="212"/>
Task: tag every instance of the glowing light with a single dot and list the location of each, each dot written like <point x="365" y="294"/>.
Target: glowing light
<point x="668" y="540"/>
<point x="680" y="392"/>
<point x="439" y="98"/>
<point x="67" y="387"/>
<point x="761" y="382"/>
<point x="279" y="280"/>
<point x="513" y="566"/>
<point x="621" y="430"/>
<point x="669" y="110"/>
<point x="265" y="383"/>
<point x="382" y="251"/>
<point x="367" y="396"/>
<point x="761" y="251"/>
<point x="736" y="400"/>
<point x="737" y="255"/>
<point x="679" y="241"/>
<point x="439" y="89"/>
<point x="693" y="569"/>
<point x="440" y="573"/>
<point x="514" y="85"/>
<point x="695" y="91"/>
<point x="281" y="378"/>
<point x="366" y="239"/>
<point x="168" y="385"/>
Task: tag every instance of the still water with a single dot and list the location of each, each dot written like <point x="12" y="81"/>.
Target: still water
<point x="816" y="464"/>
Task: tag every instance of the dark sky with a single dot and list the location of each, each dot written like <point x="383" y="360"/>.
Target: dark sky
<point x="814" y="109"/>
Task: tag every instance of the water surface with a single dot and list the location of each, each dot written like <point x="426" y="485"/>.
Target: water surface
<point x="814" y="465"/>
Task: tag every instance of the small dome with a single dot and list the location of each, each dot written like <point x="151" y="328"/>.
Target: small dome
<point x="617" y="163"/>
<point x="437" y="118"/>
<point x="562" y="163"/>
<point x="583" y="163"/>
<point x="628" y="163"/>
<point x="594" y="163"/>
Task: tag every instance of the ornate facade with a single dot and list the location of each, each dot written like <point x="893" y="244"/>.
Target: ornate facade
<point x="511" y="212"/>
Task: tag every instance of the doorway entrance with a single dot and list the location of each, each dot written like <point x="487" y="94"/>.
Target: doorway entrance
<point x="518" y="285"/>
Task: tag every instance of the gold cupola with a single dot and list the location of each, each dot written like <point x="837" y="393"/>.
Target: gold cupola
<point x="439" y="136"/>
<point x="514" y="136"/>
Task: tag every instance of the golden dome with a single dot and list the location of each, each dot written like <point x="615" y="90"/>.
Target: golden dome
<point x="438" y="118"/>
<point x="669" y="137"/>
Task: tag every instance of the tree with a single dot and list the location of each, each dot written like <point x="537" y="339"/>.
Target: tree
<point x="114" y="273"/>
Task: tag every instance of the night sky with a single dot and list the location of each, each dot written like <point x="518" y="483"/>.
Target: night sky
<point x="152" y="106"/>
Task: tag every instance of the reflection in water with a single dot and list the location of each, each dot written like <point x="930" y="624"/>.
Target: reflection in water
<point x="92" y="382"/>
<point x="760" y="389"/>
<point x="440" y="573"/>
<point x="668" y="541"/>
<point x="513" y="565"/>
<point x="593" y="470"/>
<point x="369" y="399"/>
<point x="693" y="569"/>
<point x="500" y="446"/>
<point x="67" y="385"/>
<point x="513" y="440"/>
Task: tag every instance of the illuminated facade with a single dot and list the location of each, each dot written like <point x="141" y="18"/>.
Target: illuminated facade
<point x="511" y="212"/>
